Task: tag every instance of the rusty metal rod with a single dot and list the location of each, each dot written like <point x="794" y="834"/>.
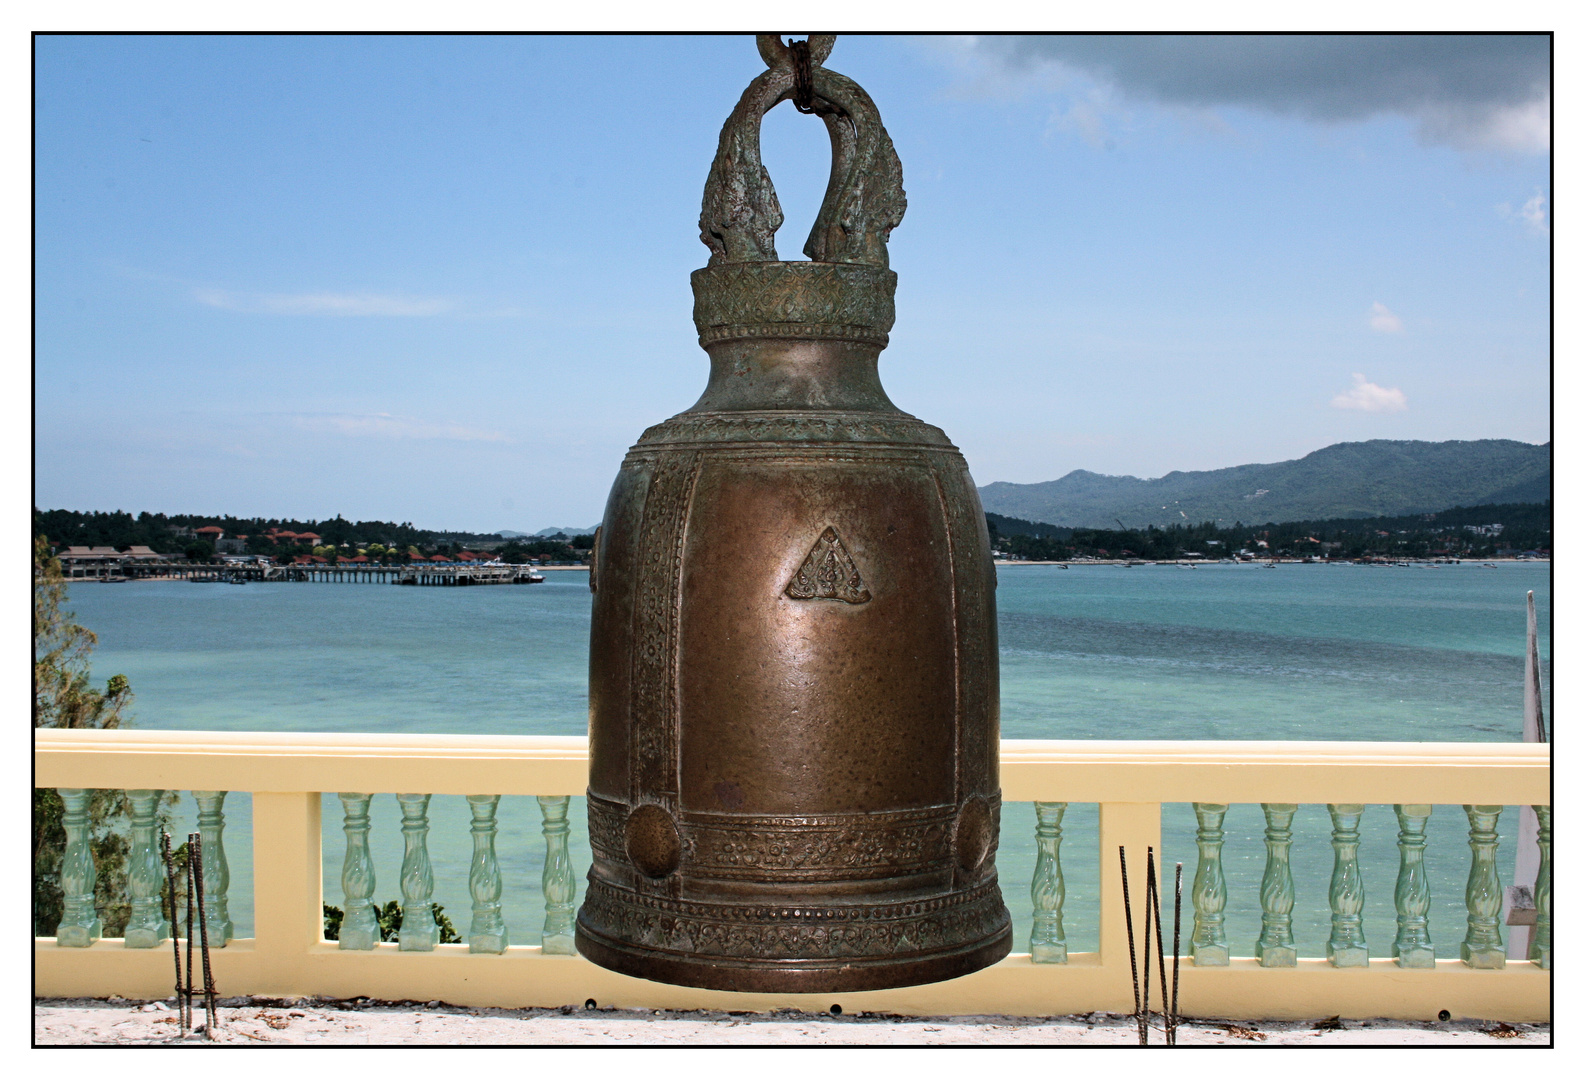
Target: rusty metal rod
<point x="176" y="925"/>
<point x="203" y="937"/>
<point x="1133" y="965"/>
<point x="1161" y="959"/>
<point x="187" y="994"/>
<point x="1177" y="926"/>
<point x="1149" y="896"/>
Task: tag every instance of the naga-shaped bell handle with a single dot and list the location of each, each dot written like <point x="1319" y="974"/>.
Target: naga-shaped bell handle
<point x="864" y="200"/>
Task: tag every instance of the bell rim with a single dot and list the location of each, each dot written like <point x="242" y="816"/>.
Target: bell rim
<point x="814" y="976"/>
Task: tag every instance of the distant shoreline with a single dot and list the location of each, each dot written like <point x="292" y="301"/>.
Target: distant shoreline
<point x="1218" y="562"/>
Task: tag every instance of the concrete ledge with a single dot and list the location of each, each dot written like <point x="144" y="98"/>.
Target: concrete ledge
<point x="523" y="977"/>
<point x="308" y="1022"/>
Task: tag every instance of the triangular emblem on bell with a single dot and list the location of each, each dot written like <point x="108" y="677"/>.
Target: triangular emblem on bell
<point x="828" y="573"/>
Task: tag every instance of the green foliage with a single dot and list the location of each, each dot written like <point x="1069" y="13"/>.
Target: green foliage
<point x="1526" y="526"/>
<point x="168" y="533"/>
<point x="107" y="810"/>
<point x="389" y="918"/>
<point x="333" y="919"/>
<point x="522" y="551"/>
<point x="64" y="698"/>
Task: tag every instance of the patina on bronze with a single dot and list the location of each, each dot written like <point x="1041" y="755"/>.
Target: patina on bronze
<point x="792" y="678"/>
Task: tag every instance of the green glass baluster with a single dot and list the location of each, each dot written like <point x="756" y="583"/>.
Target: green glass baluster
<point x="80" y="925"/>
<point x="488" y="932"/>
<point x="557" y="882"/>
<point x="1482" y="945"/>
<point x="1412" y="896"/>
<point x="146" y="927"/>
<point x="1275" y="947"/>
<point x="1541" y="934"/>
<point x="1346" y="947"/>
<point x="360" y="927"/>
<point x="420" y="932"/>
<point x="1208" y="945"/>
<point x="217" y="873"/>
<point x="1048" y="942"/>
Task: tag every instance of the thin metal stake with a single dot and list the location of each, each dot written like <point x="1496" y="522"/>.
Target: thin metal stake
<point x="1177" y="926"/>
<point x="1161" y="941"/>
<point x="203" y="937"/>
<point x="192" y="841"/>
<point x="176" y="925"/>
<point x="1133" y="966"/>
<point x="1153" y="915"/>
<point x="1149" y="892"/>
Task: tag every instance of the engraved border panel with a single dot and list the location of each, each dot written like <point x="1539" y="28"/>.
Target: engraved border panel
<point x="841" y="847"/>
<point x="794" y="933"/>
<point x="655" y="616"/>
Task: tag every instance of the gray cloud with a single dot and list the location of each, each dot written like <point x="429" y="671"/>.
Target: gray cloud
<point x="1468" y="90"/>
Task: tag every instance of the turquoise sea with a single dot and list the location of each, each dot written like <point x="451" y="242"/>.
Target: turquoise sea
<point x="1419" y="653"/>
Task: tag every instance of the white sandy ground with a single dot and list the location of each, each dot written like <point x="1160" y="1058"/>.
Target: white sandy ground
<point x="317" y="1022"/>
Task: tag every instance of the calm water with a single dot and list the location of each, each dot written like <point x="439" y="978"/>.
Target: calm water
<point x="1218" y="652"/>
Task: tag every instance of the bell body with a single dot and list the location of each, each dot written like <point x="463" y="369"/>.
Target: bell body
<point x="793" y="722"/>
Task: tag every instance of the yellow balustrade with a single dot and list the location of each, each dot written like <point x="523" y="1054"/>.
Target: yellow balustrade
<point x="286" y="772"/>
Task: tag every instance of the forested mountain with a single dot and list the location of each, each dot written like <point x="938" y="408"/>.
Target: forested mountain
<point x="1346" y="480"/>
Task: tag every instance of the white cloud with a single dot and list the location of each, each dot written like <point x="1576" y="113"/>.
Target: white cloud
<point x="1368" y="397"/>
<point x="323" y="303"/>
<point x="1533" y="213"/>
<point x="386" y="426"/>
<point x="1089" y="120"/>
<point x="1383" y="321"/>
<point x="1525" y="128"/>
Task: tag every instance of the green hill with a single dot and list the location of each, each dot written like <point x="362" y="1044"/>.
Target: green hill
<point x="1346" y="480"/>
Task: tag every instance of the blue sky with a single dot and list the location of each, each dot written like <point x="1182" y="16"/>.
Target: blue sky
<point x="445" y="279"/>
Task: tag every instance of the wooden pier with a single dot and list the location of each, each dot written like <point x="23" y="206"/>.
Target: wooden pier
<point x="457" y="574"/>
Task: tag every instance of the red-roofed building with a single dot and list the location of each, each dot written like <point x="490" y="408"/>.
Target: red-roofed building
<point x="467" y="556"/>
<point x="210" y="532"/>
<point x="357" y="559"/>
<point x="308" y="538"/>
<point x="439" y="558"/>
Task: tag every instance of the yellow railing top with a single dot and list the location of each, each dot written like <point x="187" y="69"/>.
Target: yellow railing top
<point x="1146" y="771"/>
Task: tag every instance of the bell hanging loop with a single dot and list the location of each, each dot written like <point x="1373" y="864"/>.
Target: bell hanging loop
<point x="864" y="200"/>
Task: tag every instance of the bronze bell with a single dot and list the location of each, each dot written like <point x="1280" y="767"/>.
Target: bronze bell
<point x="793" y="716"/>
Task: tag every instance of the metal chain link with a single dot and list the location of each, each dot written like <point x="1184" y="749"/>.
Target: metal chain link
<point x="803" y="77"/>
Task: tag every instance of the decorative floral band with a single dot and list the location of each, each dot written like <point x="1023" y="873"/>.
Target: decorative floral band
<point x="794" y="298"/>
